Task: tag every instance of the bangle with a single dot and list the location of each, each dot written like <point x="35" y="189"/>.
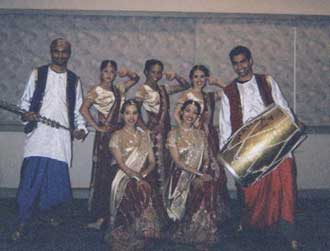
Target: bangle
<point x="136" y="178"/>
<point x="133" y="75"/>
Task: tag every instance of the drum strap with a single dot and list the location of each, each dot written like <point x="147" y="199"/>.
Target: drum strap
<point x="231" y="91"/>
<point x="265" y="89"/>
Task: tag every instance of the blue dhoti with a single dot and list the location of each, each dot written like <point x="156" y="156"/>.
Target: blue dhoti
<point x="43" y="179"/>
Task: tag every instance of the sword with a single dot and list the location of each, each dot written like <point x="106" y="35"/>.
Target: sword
<point x="42" y="119"/>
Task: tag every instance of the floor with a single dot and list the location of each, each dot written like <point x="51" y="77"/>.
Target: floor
<point x="313" y="224"/>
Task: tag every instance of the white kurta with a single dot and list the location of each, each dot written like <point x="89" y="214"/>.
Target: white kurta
<point x="252" y="105"/>
<point x="46" y="141"/>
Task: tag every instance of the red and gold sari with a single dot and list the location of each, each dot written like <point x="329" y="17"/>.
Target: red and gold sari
<point x="205" y="123"/>
<point x="131" y="213"/>
<point x="190" y="201"/>
<point x="107" y="103"/>
<point x="156" y="104"/>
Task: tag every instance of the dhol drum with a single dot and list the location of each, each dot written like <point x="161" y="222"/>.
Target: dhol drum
<point x="260" y="145"/>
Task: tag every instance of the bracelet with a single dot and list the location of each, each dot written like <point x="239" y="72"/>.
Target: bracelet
<point x="136" y="178"/>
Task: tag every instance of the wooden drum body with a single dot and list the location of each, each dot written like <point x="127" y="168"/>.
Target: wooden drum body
<point x="260" y="145"/>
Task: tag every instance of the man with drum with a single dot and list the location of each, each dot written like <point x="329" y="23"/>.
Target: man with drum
<point x="271" y="200"/>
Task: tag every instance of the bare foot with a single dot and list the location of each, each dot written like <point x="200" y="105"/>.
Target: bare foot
<point x="296" y="245"/>
<point x="151" y="233"/>
<point x="54" y="222"/>
<point x="18" y="234"/>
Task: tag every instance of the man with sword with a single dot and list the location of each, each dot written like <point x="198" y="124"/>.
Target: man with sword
<point x="53" y="92"/>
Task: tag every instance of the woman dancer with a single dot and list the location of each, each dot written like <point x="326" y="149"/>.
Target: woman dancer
<point x="155" y="101"/>
<point x="132" y="215"/>
<point x="107" y="97"/>
<point x="199" y="75"/>
<point x="192" y="185"/>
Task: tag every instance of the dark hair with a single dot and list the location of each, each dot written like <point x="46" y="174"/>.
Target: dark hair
<point x="200" y="67"/>
<point x="106" y="62"/>
<point x="150" y="63"/>
<point x="191" y="102"/>
<point x="240" y="50"/>
<point x="130" y="102"/>
<point x="55" y="41"/>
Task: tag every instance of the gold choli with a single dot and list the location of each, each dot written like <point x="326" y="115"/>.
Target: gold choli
<point x="150" y="97"/>
<point x="126" y="141"/>
<point x="189" y="143"/>
<point x="104" y="99"/>
<point x="191" y="96"/>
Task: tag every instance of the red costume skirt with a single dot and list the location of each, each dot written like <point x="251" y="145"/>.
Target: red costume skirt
<point x="270" y="199"/>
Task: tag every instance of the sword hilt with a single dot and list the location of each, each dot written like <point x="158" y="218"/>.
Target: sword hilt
<point x="31" y="125"/>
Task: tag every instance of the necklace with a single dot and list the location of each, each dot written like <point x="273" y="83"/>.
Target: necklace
<point x="132" y="132"/>
<point x="186" y="133"/>
<point x="131" y="135"/>
<point x="187" y="136"/>
<point x="187" y="129"/>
